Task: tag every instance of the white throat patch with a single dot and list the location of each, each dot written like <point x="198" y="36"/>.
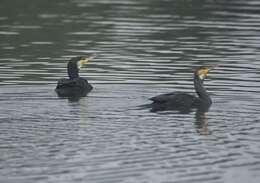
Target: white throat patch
<point x="79" y="65"/>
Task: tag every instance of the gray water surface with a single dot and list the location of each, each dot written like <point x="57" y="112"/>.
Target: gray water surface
<point x="144" y="48"/>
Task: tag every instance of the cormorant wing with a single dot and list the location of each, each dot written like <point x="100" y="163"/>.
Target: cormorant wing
<point x="174" y="97"/>
<point x="163" y="97"/>
<point x="66" y="83"/>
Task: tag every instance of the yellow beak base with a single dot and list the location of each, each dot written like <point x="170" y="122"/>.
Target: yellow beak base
<point x="83" y="61"/>
<point x="203" y="72"/>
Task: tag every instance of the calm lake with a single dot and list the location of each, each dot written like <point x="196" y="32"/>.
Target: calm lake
<point x="144" y="48"/>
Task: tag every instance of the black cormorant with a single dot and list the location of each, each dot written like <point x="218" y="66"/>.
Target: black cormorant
<point x="184" y="102"/>
<point x="75" y="86"/>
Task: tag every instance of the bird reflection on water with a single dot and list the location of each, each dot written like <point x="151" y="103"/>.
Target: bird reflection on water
<point x="201" y="123"/>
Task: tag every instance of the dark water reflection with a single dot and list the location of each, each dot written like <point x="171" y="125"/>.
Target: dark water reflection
<point x="144" y="48"/>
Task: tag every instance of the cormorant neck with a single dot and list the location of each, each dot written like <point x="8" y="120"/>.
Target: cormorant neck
<point x="200" y="90"/>
<point x="73" y="71"/>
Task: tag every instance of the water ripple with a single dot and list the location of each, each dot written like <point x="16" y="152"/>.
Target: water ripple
<point x="144" y="48"/>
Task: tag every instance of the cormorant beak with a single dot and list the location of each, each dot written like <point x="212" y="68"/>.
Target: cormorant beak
<point x="84" y="61"/>
<point x="212" y="67"/>
<point x="203" y="73"/>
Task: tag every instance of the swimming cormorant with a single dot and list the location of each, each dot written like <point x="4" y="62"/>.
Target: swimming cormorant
<point x="184" y="102"/>
<point x="75" y="86"/>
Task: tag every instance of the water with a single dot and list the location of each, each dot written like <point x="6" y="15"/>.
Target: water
<point x="144" y="48"/>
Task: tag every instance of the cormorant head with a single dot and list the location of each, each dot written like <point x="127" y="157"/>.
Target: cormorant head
<point x="75" y="64"/>
<point x="202" y="72"/>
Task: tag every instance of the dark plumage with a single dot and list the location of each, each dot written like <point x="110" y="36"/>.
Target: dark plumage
<point x="75" y="86"/>
<point x="184" y="102"/>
